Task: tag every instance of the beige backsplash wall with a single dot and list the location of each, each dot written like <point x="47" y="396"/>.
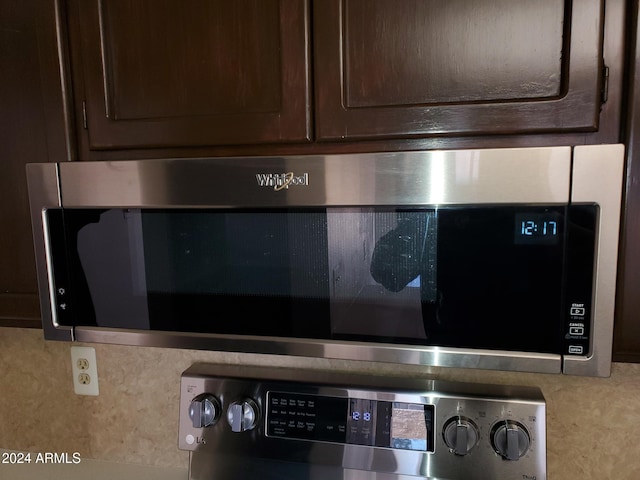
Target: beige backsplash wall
<point x="592" y="423"/>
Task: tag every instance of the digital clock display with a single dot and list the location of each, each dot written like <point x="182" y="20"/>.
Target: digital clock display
<point x="538" y="228"/>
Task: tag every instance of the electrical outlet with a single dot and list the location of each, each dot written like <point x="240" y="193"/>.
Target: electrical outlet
<point x="85" y="370"/>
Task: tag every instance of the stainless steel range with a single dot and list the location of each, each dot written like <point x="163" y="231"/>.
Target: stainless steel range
<point x="243" y="423"/>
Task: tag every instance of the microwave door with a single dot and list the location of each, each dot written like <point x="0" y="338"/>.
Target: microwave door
<point x="463" y="277"/>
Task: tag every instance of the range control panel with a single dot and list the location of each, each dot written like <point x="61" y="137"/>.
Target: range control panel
<point x="399" y="427"/>
<point x="353" y="421"/>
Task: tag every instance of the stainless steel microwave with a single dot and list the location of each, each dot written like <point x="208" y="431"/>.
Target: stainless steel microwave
<point x="494" y="259"/>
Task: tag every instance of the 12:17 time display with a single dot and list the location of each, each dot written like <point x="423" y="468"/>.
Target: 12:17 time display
<point x="531" y="228"/>
<point x="537" y="228"/>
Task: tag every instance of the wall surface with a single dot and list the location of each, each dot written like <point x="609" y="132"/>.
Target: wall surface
<point x="592" y="423"/>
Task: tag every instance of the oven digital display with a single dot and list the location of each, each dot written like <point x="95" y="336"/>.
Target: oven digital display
<point x="353" y="421"/>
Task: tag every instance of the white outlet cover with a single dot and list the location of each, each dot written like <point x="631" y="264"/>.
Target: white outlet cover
<point x="84" y="369"/>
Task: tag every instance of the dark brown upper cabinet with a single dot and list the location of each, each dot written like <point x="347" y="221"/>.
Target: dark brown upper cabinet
<point x="456" y="67"/>
<point x="165" y="73"/>
<point x="32" y="129"/>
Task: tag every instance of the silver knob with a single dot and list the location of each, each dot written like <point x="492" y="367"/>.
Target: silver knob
<point x="510" y="439"/>
<point x="460" y="435"/>
<point x="243" y="415"/>
<point x="204" y="410"/>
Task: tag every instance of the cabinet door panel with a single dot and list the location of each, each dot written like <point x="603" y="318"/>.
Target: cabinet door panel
<point x="160" y="73"/>
<point x="422" y="67"/>
<point x="32" y="129"/>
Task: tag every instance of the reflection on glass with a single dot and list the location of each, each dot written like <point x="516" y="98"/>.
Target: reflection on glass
<point x="408" y="427"/>
<point x="383" y="268"/>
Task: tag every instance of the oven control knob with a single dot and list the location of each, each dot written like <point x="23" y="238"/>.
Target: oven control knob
<point x="510" y="439"/>
<point x="243" y="415"/>
<point x="204" y="410"/>
<point x="460" y="434"/>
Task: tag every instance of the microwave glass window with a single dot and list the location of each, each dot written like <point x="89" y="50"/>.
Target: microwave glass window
<point x="424" y="276"/>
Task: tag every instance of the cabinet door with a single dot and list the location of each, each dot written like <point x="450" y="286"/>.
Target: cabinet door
<point x="457" y="67"/>
<point x="31" y="130"/>
<point x="162" y="73"/>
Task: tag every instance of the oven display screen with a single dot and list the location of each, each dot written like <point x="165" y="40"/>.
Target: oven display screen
<point x="353" y="421"/>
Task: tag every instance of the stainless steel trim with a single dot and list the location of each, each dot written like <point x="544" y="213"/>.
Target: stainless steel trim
<point x="403" y="354"/>
<point x="598" y="177"/>
<point x="499" y="176"/>
<point x="356" y="380"/>
<point x="44" y="192"/>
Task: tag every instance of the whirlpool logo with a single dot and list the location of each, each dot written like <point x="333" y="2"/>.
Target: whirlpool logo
<point x="280" y="181"/>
